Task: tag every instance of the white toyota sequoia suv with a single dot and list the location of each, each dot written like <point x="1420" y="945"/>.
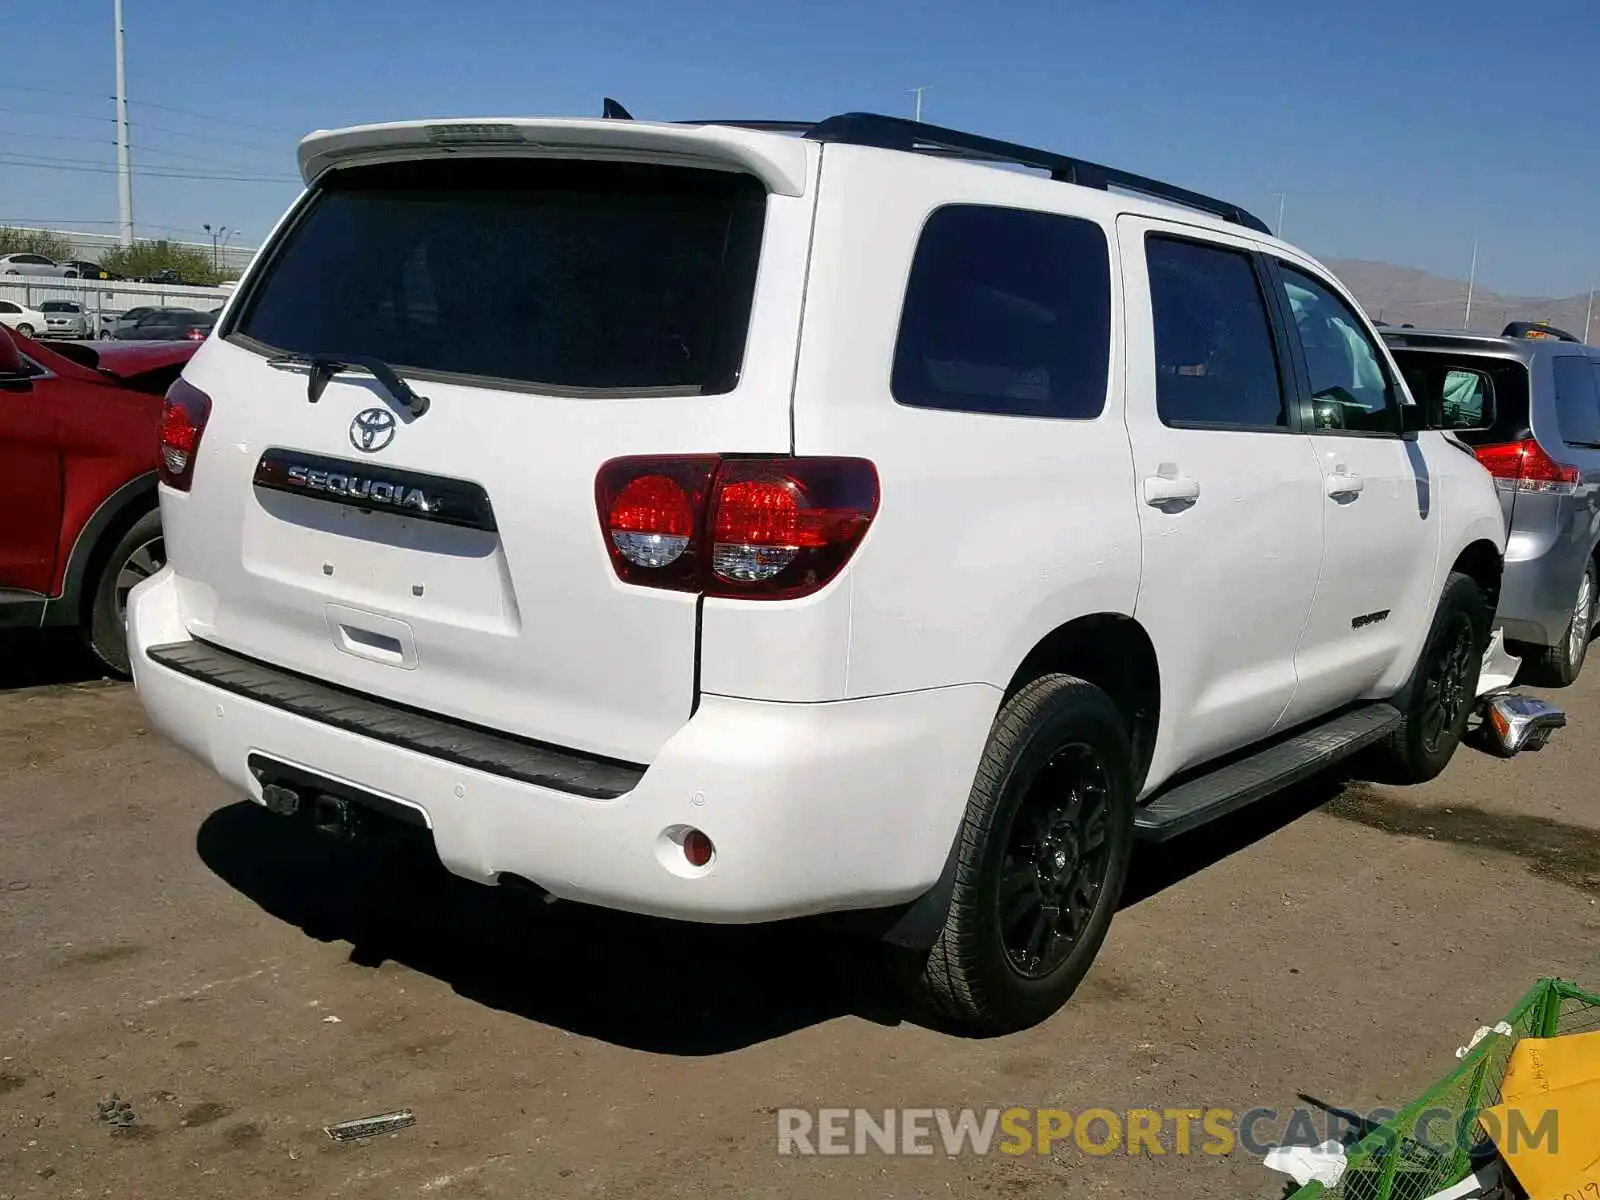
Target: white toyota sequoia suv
<point x="737" y="522"/>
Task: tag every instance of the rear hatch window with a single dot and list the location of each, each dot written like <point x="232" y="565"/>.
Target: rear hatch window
<point x="559" y="276"/>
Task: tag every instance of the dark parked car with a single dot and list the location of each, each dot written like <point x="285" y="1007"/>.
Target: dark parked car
<point x="89" y="270"/>
<point x="166" y="325"/>
<point x="113" y="324"/>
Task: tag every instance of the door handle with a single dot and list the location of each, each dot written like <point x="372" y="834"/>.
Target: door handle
<point x="1344" y="483"/>
<point x="1170" y="489"/>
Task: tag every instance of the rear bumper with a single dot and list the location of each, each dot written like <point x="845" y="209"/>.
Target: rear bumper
<point x="1540" y="586"/>
<point x="812" y="807"/>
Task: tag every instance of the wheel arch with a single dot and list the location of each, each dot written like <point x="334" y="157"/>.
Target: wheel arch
<point x="114" y="516"/>
<point x="1111" y="651"/>
<point x="1482" y="562"/>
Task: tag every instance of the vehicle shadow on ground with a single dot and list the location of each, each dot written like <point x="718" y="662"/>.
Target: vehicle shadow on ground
<point x="31" y="658"/>
<point x="662" y="986"/>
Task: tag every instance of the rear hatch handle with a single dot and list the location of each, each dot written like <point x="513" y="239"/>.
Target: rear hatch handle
<point x="325" y="366"/>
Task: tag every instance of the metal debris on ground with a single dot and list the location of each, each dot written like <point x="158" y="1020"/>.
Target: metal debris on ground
<point x="115" y="1111"/>
<point x="365" y="1127"/>
<point x="1513" y="723"/>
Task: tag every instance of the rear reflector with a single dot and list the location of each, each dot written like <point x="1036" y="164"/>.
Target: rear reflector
<point x="1525" y="467"/>
<point x="760" y="528"/>
<point x="183" y="420"/>
<point x="697" y="848"/>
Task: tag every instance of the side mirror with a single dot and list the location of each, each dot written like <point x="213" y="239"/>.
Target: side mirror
<point x="13" y="368"/>
<point x="1459" y="399"/>
<point x="1467" y="402"/>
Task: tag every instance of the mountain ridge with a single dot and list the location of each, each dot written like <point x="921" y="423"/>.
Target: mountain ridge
<point x="1399" y="295"/>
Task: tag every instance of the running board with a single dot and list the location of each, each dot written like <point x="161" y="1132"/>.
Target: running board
<point x="1245" y="780"/>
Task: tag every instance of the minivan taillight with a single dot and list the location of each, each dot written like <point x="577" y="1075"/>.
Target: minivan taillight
<point x="758" y="528"/>
<point x="1525" y="467"/>
<point x="183" y="420"/>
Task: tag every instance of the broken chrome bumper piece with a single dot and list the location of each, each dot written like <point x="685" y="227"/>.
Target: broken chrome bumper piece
<point x="1513" y="723"/>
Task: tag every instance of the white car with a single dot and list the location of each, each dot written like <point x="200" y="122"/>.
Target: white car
<point x="820" y="524"/>
<point x="29" y="322"/>
<point x="34" y="264"/>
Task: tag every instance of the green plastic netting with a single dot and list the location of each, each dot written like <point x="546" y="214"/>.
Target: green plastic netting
<point x="1399" y="1161"/>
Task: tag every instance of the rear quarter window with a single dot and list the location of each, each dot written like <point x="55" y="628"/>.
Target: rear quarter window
<point x="1577" y="400"/>
<point x="556" y="275"/>
<point x="1006" y="312"/>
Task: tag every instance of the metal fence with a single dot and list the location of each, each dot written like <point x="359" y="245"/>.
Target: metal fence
<point x="104" y="299"/>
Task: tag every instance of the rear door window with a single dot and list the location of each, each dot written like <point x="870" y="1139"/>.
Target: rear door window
<point x="1008" y="312"/>
<point x="558" y="275"/>
<point x="1577" y="400"/>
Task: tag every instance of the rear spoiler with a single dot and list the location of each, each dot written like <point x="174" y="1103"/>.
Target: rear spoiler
<point x="779" y="162"/>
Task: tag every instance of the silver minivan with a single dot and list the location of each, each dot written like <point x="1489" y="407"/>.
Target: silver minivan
<point x="1528" y="405"/>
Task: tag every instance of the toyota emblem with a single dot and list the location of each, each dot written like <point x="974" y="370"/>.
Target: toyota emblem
<point x="372" y="429"/>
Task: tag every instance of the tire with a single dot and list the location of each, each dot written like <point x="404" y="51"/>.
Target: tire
<point x="137" y="555"/>
<point x="25" y="329"/>
<point x="1049" y="819"/>
<point x="1444" y="687"/>
<point x="1560" y="665"/>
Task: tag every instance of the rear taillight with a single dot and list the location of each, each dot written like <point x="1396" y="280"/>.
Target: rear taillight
<point x="651" y="510"/>
<point x="196" y="335"/>
<point x="1525" y="467"/>
<point x="762" y="528"/>
<point x="183" y="420"/>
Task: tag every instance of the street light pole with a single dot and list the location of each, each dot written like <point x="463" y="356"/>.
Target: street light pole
<point x="124" y="172"/>
<point x="917" y="92"/>
<point x="1472" y="278"/>
<point x="218" y="236"/>
<point x="1588" y="317"/>
<point x="1283" y="201"/>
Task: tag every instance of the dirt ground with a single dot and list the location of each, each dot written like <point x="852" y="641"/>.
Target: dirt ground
<point x="241" y="986"/>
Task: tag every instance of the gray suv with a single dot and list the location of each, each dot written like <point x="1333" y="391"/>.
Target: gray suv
<point x="1528" y="404"/>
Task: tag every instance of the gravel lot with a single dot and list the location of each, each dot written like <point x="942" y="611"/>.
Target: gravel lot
<point x="242" y="985"/>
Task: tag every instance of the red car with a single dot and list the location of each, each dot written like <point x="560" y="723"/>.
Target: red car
<point x="79" y="443"/>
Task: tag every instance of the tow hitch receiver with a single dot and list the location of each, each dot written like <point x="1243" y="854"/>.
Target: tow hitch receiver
<point x="1513" y="723"/>
<point x="335" y="817"/>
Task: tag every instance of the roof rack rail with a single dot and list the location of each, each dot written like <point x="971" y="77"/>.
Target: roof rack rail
<point x="897" y="133"/>
<point x="762" y="126"/>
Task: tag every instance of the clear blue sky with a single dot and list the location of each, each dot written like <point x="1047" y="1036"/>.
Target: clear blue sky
<point x="1398" y="130"/>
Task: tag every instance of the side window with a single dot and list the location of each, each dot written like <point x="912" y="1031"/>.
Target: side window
<point x="1215" y="363"/>
<point x="1008" y="312"/>
<point x="1350" y="389"/>
<point x="1577" y="404"/>
<point x="7" y="307"/>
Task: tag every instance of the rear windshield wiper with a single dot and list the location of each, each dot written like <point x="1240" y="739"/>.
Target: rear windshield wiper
<point x="325" y="366"/>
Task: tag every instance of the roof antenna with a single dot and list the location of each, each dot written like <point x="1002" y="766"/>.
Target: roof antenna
<point x="612" y="111"/>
